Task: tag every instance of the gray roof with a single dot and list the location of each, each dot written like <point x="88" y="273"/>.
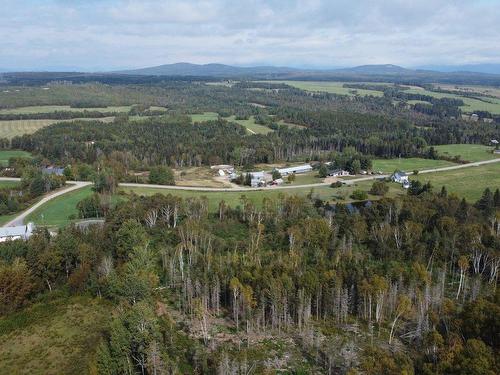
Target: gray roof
<point x="21" y="230"/>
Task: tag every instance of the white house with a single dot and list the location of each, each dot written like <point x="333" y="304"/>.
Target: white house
<point x="400" y="177"/>
<point x="22" y="232"/>
<point x="338" y="173"/>
<point x="298" y="169"/>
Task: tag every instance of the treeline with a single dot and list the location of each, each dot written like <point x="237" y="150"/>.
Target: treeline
<point x="413" y="279"/>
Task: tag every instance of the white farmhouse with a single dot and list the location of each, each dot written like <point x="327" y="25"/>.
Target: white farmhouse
<point x="400" y="177"/>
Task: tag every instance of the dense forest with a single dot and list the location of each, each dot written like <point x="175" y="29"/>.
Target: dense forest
<point x="394" y="286"/>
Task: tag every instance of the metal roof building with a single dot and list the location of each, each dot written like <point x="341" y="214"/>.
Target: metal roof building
<point x="21" y="232"/>
<point x="297" y="169"/>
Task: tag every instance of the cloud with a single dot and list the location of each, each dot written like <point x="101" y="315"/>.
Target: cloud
<point x="123" y="33"/>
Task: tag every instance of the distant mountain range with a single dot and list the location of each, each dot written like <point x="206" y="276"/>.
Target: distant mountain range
<point x="211" y="70"/>
<point x="460" y="75"/>
<point x="221" y="70"/>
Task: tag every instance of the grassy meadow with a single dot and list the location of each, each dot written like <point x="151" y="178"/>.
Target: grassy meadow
<point x="468" y="152"/>
<point x="53" y="108"/>
<point x="57" y="212"/>
<point x="468" y="183"/>
<point x="249" y="124"/>
<point x="491" y="105"/>
<point x="408" y="164"/>
<point x="5" y="155"/>
<point x="12" y="128"/>
<point x="55" y="336"/>
<point x="329" y="87"/>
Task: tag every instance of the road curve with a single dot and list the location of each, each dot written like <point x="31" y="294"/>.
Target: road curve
<point x="18" y="220"/>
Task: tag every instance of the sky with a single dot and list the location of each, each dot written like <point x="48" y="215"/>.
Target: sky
<point x="96" y="35"/>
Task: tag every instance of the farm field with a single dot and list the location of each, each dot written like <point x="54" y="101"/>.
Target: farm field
<point x="12" y="128"/>
<point x="329" y="87"/>
<point x="5" y="155"/>
<point x="205" y="116"/>
<point x="250" y="124"/>
<point x="469" y="152"/>
<point x="482" y="90"/>
<point x="491" y="105"/>
<point x="408" y="164"/>
<point x="53" y="108"/>
<point x="468" y="183"/>
<point x="57" y="336"/>
<point x="306" y="178"/>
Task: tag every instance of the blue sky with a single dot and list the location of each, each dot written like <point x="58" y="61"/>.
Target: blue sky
<point x="116" y="34"/>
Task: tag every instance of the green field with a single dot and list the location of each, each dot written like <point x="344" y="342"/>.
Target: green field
<point x="330" y="87"/>
<point x="53" y="108"/>
<point x="5" y="155"/>
<point x="205" y="116"/>
<point x="491" y="105"/>
<point x="57" y="336"/>
<point x="468" y="183"/>
<point x="468" y="152"/>
<point x="408" y="164"/>
<point x="58" y="211"/>
<point x="249" y="124"/>
<point x="12" y="128"/>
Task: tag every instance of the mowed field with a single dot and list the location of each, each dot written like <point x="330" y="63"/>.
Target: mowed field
<point x="408" y="164"/>
<point x="56" y="336"/>
<point x="57" y="212"/>
<point x="468" y="152"/>
<point x="250" y="125"/>
<point x="5" y="155"/>
<point x="491" y="105"/>
<point x="53" y="108"/>
<point x="468" y="183"/>
<point x="329" y="87"/>
<point x="12" y="128"/>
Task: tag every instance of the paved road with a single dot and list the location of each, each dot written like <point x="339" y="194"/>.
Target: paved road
<point x="19" y="220"/>
<point x="79" y="184"/>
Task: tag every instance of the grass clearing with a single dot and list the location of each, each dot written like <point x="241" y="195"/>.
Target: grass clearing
<point x="468" y="183"/>
<point x="290" y="125"/>
<point x="468" y="152"/>
<point x="491" y="105"/>
<point x="53" y="108"/>
<point x="205" y="116"/>
<point x="251" y="126"/>
<point x="12" y="128"/>
<point x="408" y="164"/>
<point x="57" y="212"/>
<point x="58" y="336"/>
<point x="329" y="87"/>
<point x="5" y="155"/>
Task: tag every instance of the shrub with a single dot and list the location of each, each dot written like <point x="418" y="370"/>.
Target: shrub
<point x="359" y="195"/>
